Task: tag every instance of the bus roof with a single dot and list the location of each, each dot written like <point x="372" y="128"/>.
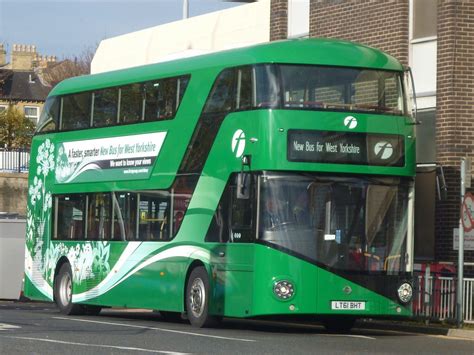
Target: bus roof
<point x="297" y="51"/>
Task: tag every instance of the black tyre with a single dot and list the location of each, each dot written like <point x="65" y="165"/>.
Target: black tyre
<point x="197" y="299"/>
<point x="339" y="324"/>
<point x="174" y="317"/>
<point x="63" y="292"/>
<point x="92" y="310"/>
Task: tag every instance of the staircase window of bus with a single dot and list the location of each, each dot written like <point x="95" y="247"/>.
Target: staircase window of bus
<point x="222" y="97"/>
<point x="76" y="111"/>
<point x="105" y="107"/>
<point x="99" y="216"/>
<point x="131" y="103"/>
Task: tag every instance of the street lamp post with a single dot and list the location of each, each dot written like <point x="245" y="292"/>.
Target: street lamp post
<point x="185" y="9"/>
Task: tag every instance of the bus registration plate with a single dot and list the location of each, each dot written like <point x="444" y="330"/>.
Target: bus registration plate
<point x="348" y="305"/>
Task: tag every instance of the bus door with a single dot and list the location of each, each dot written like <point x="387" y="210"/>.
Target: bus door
<point x="232" y="258"/>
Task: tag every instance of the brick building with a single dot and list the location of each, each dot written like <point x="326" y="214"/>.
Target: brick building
<point x="21" y="82"/>
<point x="436" y="38"/>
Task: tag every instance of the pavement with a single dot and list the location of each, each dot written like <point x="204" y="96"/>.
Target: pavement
<point x="417" y="326"/>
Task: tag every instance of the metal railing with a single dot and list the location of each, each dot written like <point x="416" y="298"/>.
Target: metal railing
<point x="14" y="160"/>
<point x="468" y="300"/>
<point x="435" y="298"/>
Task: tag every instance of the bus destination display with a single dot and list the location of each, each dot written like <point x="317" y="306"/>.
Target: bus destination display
<point x="345" y="148"/>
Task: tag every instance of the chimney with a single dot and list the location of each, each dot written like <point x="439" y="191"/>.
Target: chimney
<point x="23" y="56"/>
<point x="3" y="55"/>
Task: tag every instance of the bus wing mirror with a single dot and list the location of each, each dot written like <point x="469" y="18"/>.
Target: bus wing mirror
<point x="243" y="186"/>
<point x="411" y="95"/>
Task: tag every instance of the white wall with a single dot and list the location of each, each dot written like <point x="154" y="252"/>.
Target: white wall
<point x="236" y="27"/>
<point x="12" y="257"/>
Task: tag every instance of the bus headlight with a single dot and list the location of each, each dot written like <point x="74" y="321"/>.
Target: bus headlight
<point x="405" y="292"/>
<point x="284" y="289"/>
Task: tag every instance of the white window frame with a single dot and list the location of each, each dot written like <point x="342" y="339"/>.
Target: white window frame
<point x="33" y="118"/>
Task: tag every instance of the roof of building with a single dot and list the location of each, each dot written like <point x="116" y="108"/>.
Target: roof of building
<point x="22" y="85"/>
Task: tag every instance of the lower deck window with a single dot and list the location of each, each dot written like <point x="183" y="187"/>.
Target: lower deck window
<point x="118" y="216"/>
<point x="154" y="212"/>
<point x="98" y="221"/>
<point x="70" y="217"/>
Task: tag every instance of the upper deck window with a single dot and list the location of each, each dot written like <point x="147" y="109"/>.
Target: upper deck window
<point x="347" y="89"/>
<point x="162" y="98"/>
<point x="76" y="111"/>
<point x="143" y="101"/>
<point x="105" y="107"/>
<point x="131" y="103"/>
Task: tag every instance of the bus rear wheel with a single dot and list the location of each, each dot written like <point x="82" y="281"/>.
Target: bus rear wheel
<point x="197" y="299"/>
<point x="63" y="292"/>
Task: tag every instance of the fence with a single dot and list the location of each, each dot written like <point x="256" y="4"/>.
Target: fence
<point x="435" y="298"/>
<point x="14" y="160"/>
<point x="468" y="300"/>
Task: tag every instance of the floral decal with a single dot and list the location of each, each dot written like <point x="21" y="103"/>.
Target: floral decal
<point x="64" y="168"/>
<point x="88" y="259"/>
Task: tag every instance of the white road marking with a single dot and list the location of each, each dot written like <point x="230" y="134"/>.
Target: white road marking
<point x="155" y="328"/>
<point x="128" y="348"/>
<point x="351" y="336"/>
<point x="4" y="326"/>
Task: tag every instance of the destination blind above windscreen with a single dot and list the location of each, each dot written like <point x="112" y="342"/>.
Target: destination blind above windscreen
<point x="346" y="148"/>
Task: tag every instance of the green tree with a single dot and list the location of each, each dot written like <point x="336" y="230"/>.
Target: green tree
<point x="16" y="130"/>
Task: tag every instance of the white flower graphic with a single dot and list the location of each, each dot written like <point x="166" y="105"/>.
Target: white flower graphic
<point x="35" y="190"/>
<point x="48" y="202"/>
<point x="45" y="158"/>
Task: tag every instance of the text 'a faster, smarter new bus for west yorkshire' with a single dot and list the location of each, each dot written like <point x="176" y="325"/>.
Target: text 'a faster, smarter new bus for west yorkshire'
<point x="270" y="180"/>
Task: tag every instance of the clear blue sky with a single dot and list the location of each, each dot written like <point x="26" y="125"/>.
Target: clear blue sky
<point x="66" y="28"/>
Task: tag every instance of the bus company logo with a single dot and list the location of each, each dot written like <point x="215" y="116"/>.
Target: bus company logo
<point x="350" y="122"/>
<point x="383" y="150"/>
<point x="238" y="143"/>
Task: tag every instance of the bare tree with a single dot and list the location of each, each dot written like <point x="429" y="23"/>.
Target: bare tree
<point x="69" y="67"/>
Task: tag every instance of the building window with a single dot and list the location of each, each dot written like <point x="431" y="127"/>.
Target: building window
<point x="298" y="18"/>
<point x="31" y="112"/>
<point x="425" y="18"/>
<point x="3" y="108"/>
<point x="426" y="137"/>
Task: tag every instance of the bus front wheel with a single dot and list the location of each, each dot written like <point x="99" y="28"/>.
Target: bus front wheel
<point x="63" y="291"/>
<point x="197" y="299"/>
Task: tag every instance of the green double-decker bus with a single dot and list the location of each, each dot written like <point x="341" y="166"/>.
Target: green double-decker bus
<point x="270" y="180"/>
